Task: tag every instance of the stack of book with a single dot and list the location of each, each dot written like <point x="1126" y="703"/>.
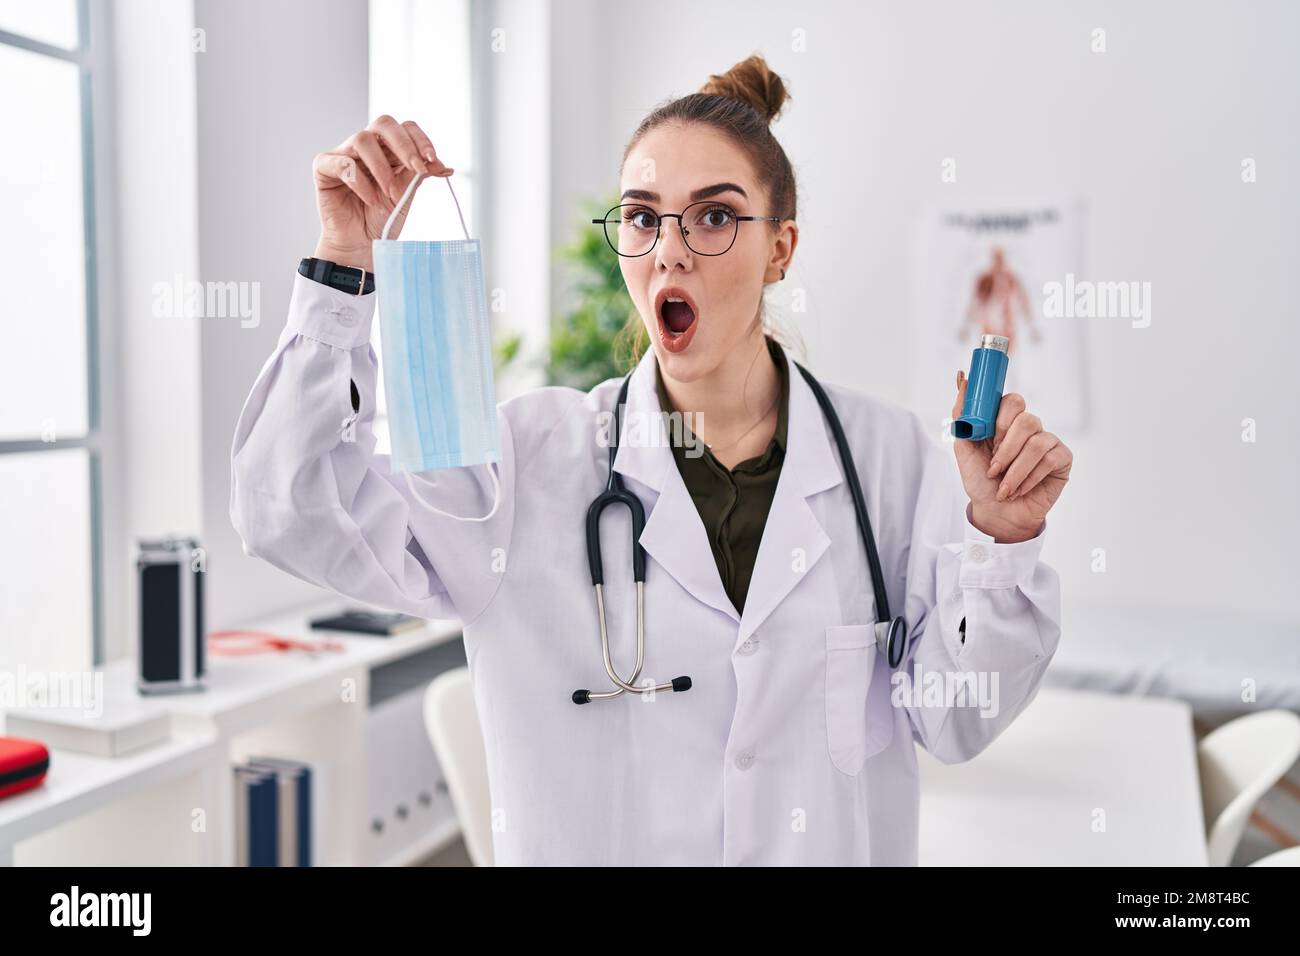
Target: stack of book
<point x="273" y="813"/>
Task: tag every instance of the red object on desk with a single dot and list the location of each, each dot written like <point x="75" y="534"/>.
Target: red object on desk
<point x="23" y="764"/>
<point x="239" y="643"/>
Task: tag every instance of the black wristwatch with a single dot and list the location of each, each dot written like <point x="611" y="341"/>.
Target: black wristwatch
<point x="343" y="278"/>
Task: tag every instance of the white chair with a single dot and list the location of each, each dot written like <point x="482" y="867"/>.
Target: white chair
<point x="1239" y="762"/>
<point x="1288" y="857"/>
<point x="452" y="723"/>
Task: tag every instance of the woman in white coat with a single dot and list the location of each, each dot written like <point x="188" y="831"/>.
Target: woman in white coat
<point x="793" y="746"/>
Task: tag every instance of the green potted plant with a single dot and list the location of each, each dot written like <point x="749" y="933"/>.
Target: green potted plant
<point x="584" y="347"/>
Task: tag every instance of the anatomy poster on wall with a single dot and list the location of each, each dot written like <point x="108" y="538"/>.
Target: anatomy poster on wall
<point x="983" y="270"/>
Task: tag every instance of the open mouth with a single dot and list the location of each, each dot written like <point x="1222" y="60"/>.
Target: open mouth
<point x="677" y="318"/>
<point x="678" y="315"/>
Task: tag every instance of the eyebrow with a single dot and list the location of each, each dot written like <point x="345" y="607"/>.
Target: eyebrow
<point x="704" y="193"/>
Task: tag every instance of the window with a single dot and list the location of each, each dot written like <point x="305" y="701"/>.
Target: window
<point x="420" y="70"/>
<point x="50" y="444"/>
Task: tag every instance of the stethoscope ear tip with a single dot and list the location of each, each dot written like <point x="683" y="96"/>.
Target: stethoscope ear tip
<point x="681" y="684"/>
<point x="582" y="697"/>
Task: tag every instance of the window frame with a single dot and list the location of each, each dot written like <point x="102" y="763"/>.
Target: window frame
<point x="82" y="56"/>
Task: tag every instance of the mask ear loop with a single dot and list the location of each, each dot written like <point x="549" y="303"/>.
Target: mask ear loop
<point x="406" y="196"/>
<point x="496" y="482"/>
<point x="496" y="496"/>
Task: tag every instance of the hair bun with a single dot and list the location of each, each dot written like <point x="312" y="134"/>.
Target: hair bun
<point x="752" y="82"/>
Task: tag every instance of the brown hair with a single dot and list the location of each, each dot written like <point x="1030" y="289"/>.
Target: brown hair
<point x="741" y="104"/>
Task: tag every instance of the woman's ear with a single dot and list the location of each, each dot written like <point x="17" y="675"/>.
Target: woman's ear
<point x="783" y="248"/>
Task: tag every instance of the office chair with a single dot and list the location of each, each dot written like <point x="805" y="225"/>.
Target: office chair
<point x="1239" y="762"/>
<point x="452" y="723"/>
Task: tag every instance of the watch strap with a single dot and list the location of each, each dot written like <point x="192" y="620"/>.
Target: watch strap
<point x="343" y="278"/>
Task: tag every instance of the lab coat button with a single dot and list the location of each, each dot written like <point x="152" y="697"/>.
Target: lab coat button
<point x="744" y="760"/>
<point x="347" y="316"/>
<point x="749" y="647"/>
<point x="977" y="552"/>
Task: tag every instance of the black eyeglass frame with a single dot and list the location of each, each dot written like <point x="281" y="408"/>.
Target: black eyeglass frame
<point x="661" y="216"/>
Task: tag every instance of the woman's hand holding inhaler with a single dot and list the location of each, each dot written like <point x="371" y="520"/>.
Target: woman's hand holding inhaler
<point x="1014" y="476"/>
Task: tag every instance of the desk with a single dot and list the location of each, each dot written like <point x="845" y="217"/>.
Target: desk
<point x="1030" y="799"/>
<point x="251" y="703"/>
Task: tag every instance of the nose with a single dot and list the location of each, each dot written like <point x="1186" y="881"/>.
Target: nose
<point x="671" y="249"/>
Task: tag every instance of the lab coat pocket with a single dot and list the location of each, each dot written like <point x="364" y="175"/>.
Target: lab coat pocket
<point x="859" y="722"/>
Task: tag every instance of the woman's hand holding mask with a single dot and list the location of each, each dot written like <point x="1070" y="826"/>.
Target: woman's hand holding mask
<point x="360" y="181"/>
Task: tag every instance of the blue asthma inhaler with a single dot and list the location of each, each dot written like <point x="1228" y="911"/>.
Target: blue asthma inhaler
<point x="988" y="373"/>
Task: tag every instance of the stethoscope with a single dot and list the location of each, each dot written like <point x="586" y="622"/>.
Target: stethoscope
<point x="890" y="631"/>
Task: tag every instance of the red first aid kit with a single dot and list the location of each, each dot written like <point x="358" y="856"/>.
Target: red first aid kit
<point x="23" y="764"/>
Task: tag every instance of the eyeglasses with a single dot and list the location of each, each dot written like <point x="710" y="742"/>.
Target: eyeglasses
<point x="708" y="228"/>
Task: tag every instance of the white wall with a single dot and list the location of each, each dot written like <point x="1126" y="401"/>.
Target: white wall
<point x="581" y="137"/>
<point x="279" y="83"/>
<point x="1152" y="132"/>
<point x="212" y="153"/>
<point x="154" y="473"/>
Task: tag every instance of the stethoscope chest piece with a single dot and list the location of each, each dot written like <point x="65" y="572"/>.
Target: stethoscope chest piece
<point x="616" y="494"/>
<point x="891" y="640"/>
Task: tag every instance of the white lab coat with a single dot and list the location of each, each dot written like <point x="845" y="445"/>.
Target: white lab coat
<point x="787" y="750"/>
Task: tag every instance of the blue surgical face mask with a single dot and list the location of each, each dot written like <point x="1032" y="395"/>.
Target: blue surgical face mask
<point x="437" y="354"/>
